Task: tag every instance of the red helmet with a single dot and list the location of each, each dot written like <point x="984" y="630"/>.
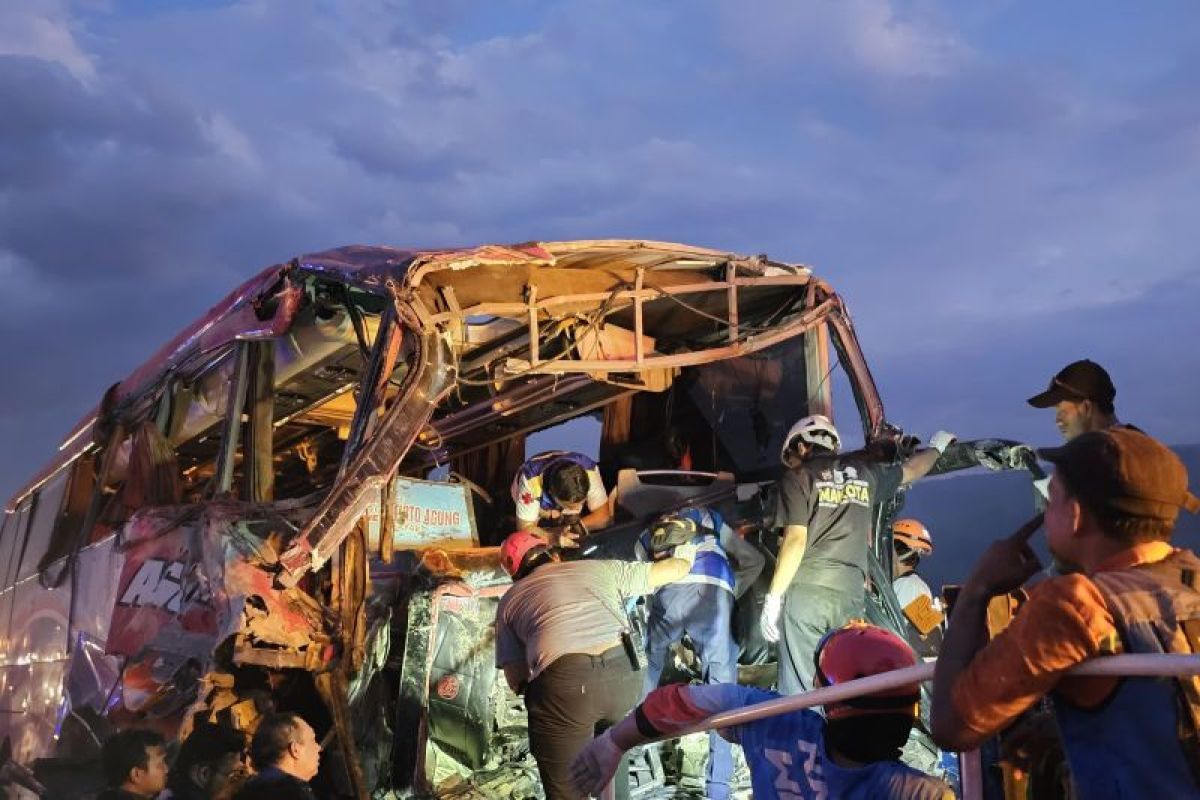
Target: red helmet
<point x="516" y="547"/>
<point x="913" y="535"/>
<point x="857" y="650"/>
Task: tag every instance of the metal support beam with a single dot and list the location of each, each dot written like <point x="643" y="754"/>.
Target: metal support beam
<point x="258" y="466"/>
<point x="371" y="465"/>
<point x="373" y="385"/>
<point x="231" y="426"/>
<point x="819" y="388"/>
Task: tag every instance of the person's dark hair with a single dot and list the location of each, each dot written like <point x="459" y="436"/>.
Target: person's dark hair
<point x="1105" y="406"/>
<point x="275" y="733"/>
<point x="566" y="482"/>
<point x="206" y="745"/>
<point x="1124" y="528"/>
<point x="534" y="559"/>
<point x="125" y="750"/>
<point x="869" y="738"/>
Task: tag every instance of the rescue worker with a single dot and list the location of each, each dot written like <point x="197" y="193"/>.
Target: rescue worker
<point x="850" y="753"/>
<point x="135" y="765"/>
<point x="701" y="605"/>
<point x="551" y="491"/>
<point x="825" y="506"/>
<point x="209" y="759"/>
<point x="286" y="755"/>
<point x="1114" y="498"/>
<point x="1082" y="395"/>
<point x="910" y="543"/>
<point x="564" y="641"/>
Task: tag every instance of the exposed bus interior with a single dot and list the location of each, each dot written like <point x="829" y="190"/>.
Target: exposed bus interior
<point x="695" y="363"/>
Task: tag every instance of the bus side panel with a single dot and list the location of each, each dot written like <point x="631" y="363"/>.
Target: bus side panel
<point x="99" y="572"/>
<point x="39" y="636"/>
<point x="8" y="664"/>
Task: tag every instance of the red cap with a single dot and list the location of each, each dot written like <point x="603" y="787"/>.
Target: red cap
<point x="516" y="547"/>
<point x="858" y="650"/>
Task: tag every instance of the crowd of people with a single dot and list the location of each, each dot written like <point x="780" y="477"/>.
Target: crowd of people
<point x="590" y="677"/>
<point x="214" y="762"/>
<point x="565" y="641"/>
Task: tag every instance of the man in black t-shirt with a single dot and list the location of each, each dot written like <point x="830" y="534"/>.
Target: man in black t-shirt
<point x="825" y="508"/>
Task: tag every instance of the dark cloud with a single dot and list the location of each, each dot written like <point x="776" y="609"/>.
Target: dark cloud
<point x="105" y="183"/>
<point x="977" y="382"/>
<point x="991" y="208"/>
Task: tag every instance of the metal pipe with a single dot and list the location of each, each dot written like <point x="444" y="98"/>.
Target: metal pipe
<point x="1141" y="665"/>
<point x="970" y="775"/>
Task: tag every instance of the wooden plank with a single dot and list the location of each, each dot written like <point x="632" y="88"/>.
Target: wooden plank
<point x="731" y="281"/>
<point x="639" y="348"/>
<point x="535" y="346"/>
<point x="619" y="299"/>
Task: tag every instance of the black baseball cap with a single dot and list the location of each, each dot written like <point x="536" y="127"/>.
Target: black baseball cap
<point x="1080" y="380"/>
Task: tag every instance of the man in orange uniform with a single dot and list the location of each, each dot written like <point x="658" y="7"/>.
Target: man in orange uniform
<point x="1114" y="498"/>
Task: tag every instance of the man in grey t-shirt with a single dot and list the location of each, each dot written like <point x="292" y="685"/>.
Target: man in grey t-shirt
<point x="559" y="641"/>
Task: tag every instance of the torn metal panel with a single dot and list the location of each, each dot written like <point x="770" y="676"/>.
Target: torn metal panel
<point x="428" y="380"/>
<point x="194" y="576"/>
<point x="449" y="662"/>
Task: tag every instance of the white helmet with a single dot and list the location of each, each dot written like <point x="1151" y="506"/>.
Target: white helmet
<point x="816" y="430"/>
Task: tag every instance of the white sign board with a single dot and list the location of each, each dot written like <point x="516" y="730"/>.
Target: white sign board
<point x="431" y="514"/>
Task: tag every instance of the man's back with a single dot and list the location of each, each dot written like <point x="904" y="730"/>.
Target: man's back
<point x="1155" y="608"/>
<point x="790" y="761"/>
<point x="274" y="784"/>
<point x="833" y="496"/>
<point x="566" y="607"/>
<point x="118" y="794"/>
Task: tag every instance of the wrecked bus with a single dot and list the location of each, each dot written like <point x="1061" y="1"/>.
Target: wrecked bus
<point x="296" y="502"/>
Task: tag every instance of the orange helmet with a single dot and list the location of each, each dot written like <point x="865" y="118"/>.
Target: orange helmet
<point x="857" y="650"/>
<point x="913" y="535"/>
<point x="516" y="547"/>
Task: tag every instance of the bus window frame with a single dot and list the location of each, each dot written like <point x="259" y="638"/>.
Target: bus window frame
<point x="44" y="519"/>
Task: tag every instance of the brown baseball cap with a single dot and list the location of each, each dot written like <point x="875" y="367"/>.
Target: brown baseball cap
<point x="1079" y="380"/>
<point x="1125" y="471"/>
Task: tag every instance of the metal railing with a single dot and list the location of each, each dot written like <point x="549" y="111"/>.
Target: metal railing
<point x="1136" y="665"/>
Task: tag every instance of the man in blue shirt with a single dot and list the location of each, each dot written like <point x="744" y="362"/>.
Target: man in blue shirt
<point x="700" y="605"/>
<point x="851" y="753"/>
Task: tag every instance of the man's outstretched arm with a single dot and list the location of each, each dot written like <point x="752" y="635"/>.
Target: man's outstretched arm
<point x="919" y="464"/>
<point x="664" y="711"/>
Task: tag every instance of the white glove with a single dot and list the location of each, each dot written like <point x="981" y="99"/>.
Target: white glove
<point x="686" y="552"/>
<point x="769" y="619"/>
<point x="597" y="762"/>
<point x="941" y="440"/>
